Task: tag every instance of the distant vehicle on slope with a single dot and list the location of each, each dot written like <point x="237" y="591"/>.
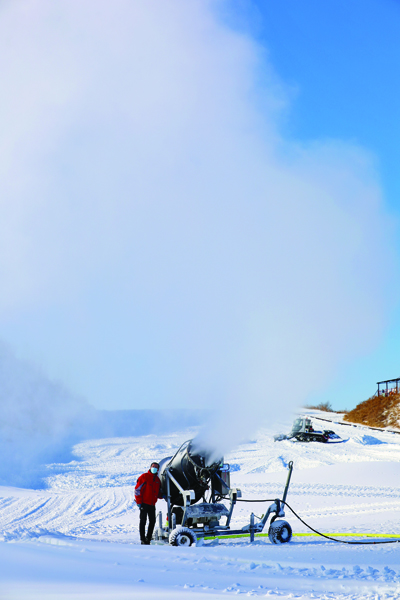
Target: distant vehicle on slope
<point x="303" y="431"/>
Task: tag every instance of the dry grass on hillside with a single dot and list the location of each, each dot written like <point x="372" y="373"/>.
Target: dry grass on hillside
<point x="378" y="411"/>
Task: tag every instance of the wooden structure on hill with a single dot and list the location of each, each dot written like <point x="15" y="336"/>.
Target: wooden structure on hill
<point x="390" y="386"/>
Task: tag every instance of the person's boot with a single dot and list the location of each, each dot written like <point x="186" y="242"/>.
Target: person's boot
<point x="143" y="542"/>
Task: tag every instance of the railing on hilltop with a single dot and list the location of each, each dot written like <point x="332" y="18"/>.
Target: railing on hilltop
<point x="387" y="389"/>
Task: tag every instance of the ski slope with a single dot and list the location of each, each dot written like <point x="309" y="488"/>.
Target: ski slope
<point x="78" y="537"/>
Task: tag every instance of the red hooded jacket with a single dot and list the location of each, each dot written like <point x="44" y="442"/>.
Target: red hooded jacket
<point x="148" y="489"/>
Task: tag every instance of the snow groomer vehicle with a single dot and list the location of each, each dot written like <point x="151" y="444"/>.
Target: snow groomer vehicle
<point x="195" y="484"/>
<point x="303" y="431"/>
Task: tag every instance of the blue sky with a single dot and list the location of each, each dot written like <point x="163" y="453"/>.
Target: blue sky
<point x="199" y="200"/>
<point x="341" y="60"/>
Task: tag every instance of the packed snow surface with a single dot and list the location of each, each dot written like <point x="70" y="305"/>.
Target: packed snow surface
<point x="78" y="536"/>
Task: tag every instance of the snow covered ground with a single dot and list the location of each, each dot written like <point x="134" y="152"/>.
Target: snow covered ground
<point x="78" y="537"/>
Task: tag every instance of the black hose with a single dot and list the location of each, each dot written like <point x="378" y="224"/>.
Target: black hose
<point x="318" y="532"/>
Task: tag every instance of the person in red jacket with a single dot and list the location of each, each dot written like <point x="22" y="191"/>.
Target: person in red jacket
<point x="147" y="492"/>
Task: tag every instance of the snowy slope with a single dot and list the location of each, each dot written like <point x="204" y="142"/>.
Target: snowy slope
<point x="78" y="537"/>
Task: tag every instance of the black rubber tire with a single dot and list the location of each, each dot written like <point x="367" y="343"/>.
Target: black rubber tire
<point x="182" y="536"/>
<point x="280" y="532"/>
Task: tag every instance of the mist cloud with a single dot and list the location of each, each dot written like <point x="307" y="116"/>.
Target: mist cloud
<point x="155" y="226"/>
<point x="40" y="420"/>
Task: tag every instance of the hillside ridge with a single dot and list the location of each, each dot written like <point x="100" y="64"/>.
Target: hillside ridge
<point x="377" y="411"/>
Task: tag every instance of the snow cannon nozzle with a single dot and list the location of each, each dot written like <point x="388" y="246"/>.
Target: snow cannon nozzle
<point x="193" y="467"/>
<point x="206" y="458"/>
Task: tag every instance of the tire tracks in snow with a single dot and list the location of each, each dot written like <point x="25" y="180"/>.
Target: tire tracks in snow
<point x="73" y="513"/>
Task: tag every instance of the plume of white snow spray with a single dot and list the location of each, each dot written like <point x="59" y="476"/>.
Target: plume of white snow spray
<point x="156" y="227"/>
<point x="39" y="421"/>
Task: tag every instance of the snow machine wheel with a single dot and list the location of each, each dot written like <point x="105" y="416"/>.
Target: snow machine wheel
<point x="182" y="536"/>
<point x="280" y="532"/>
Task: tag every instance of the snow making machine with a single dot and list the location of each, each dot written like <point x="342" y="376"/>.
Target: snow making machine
<point x="194" y="484"/>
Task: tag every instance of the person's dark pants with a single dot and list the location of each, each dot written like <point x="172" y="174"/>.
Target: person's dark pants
<point x="146" y="510"/>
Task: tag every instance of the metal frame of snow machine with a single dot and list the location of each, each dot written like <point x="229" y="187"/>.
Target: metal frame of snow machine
<point x="191" y="475"/>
